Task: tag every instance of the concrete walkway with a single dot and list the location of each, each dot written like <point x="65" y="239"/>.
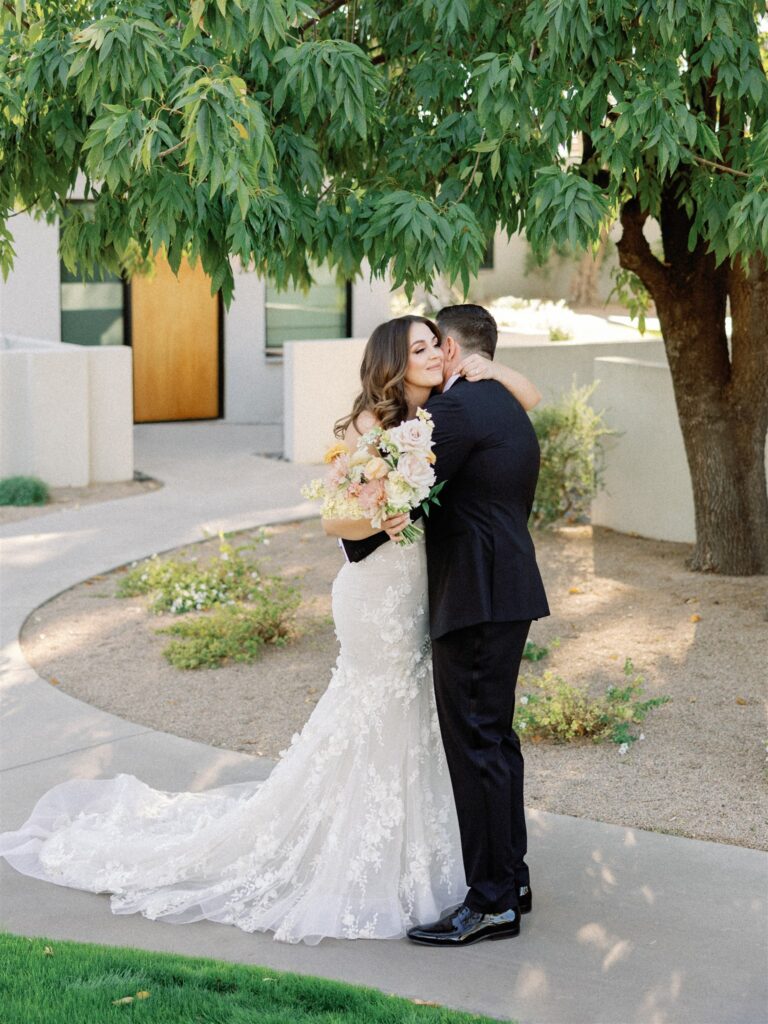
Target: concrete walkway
<point x="628" y="926"/>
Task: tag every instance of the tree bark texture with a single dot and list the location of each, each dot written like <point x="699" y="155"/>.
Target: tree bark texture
<point x="721" y="393"/>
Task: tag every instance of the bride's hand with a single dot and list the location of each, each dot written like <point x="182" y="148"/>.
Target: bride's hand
<point x="476" y="367"/>
<point x="395" y="525"/>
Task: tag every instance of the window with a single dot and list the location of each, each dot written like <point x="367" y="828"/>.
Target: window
<point x="293" y="315"/>
<point x="91" y="310"/>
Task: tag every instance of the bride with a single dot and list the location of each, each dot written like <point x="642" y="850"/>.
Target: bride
<point x="354" y="833"/>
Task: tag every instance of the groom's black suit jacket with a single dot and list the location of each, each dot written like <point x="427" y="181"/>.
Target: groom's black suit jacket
<point x="480" y="557"/>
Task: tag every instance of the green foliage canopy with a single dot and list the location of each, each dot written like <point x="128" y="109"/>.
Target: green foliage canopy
<point x="397" y="133"/>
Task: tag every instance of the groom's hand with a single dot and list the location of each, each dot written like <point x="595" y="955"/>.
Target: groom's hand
<point x="395" y="525"/>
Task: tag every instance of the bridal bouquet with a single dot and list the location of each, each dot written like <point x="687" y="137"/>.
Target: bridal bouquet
<point x="389" y="473"/>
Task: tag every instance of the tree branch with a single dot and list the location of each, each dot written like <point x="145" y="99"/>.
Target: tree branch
<point x="18" y="213"/>
<point x="720" y="167"/>
<point x="635" y="252"/>
<point x="470" y="179"/>
<point x="167" y="152"/>
<point x="329" y="9"/>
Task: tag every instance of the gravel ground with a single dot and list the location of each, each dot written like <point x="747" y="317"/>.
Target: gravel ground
<point x="700" y="770"/>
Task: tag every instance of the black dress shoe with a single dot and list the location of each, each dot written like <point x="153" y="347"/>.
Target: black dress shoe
<point x="525" y="901"/>
<point x="463" y="926"/>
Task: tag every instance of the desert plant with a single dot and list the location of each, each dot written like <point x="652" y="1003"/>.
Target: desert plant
<point x="237" y="633"/>
<point x="23" y="490"/>
<point x="533" y="652"/>
<point x="571" y="435"/>
<point x="551" y="708"/>
<point x="560" y="334"/>
<point x="182" y="586"/>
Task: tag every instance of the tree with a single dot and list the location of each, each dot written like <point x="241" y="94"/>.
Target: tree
<point x="402" y="134"/>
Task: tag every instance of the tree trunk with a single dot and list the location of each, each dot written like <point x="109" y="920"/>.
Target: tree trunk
<point x="721" y="396"/>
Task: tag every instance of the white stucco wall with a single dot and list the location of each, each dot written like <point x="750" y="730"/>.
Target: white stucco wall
<point x="29" y="299"/>
<point x="509" y="277"/>
<point x="253" y="381"/>
<point x="371" y="303"/>
<point x="320" y="384"/>
<point x="555" y="365"/>
<point x="65" y="412"/>
<point x="110" y="412"/>
<point x="647" y="481"/>
<point x="253" y="386"/>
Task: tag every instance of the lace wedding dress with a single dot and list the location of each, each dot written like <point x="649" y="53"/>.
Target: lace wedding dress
<point x="354" y="833"/>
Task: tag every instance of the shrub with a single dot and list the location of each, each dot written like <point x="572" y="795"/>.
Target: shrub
<point x="557" y="710"/>
<point x="560" y="334"/>
<point x="180" y="587"/>
<point x="570" y="434"/>
<point x="533" y="652"/>
<point x="237" y="633"/>
<point x="23" y="490"/>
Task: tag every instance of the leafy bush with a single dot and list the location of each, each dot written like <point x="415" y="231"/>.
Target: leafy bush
<point x="23" y="490"/>
<point x="557" y="710"/>
<point x="533" y="652"/>
<point x="570" y="434"/>
<point x="234" y="633"/>
<point x="560" y="334"/>
<point x="180" y="587"/>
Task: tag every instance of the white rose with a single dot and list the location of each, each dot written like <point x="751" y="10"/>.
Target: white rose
<point x="412" y="436"/>
<point x="399" y="491"/>
<point x="415" y="470"/>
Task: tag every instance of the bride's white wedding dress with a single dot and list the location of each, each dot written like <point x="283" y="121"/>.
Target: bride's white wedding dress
<point x="354" y="833"/>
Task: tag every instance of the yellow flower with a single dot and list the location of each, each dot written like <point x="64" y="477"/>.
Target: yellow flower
<point x="335" y="451"/>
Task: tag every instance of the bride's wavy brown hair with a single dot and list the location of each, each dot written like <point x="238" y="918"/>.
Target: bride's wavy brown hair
<point x="382" y="373"/>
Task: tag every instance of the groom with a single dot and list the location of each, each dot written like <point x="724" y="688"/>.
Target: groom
<point x="484" y="590"/>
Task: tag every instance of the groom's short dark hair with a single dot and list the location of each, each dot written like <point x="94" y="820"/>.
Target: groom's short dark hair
<point x="472" y="326"/>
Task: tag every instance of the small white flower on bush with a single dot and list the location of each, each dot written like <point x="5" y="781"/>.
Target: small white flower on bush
<point x="623" y="748"/>
<point x="523" y="700"/>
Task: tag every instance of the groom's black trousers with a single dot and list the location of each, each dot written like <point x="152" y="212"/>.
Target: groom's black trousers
<point x="476" y="671"/>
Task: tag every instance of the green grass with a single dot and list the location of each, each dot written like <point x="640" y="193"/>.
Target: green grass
<point x="44" y="981"/>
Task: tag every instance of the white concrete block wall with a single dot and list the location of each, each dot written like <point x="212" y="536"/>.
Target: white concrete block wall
<point x="110" y="413"/>
<point x="29" y="299"/>
<point x="647" y="481"/>
<point x="320" y="384"/>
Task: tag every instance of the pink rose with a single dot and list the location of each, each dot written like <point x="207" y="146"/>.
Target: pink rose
<point x="371" y="497"/>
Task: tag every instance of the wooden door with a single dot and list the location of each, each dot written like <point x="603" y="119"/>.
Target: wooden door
<point x="175" y="339"/>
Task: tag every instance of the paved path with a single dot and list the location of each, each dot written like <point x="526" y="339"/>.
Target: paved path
<point x="628" y="926"/>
